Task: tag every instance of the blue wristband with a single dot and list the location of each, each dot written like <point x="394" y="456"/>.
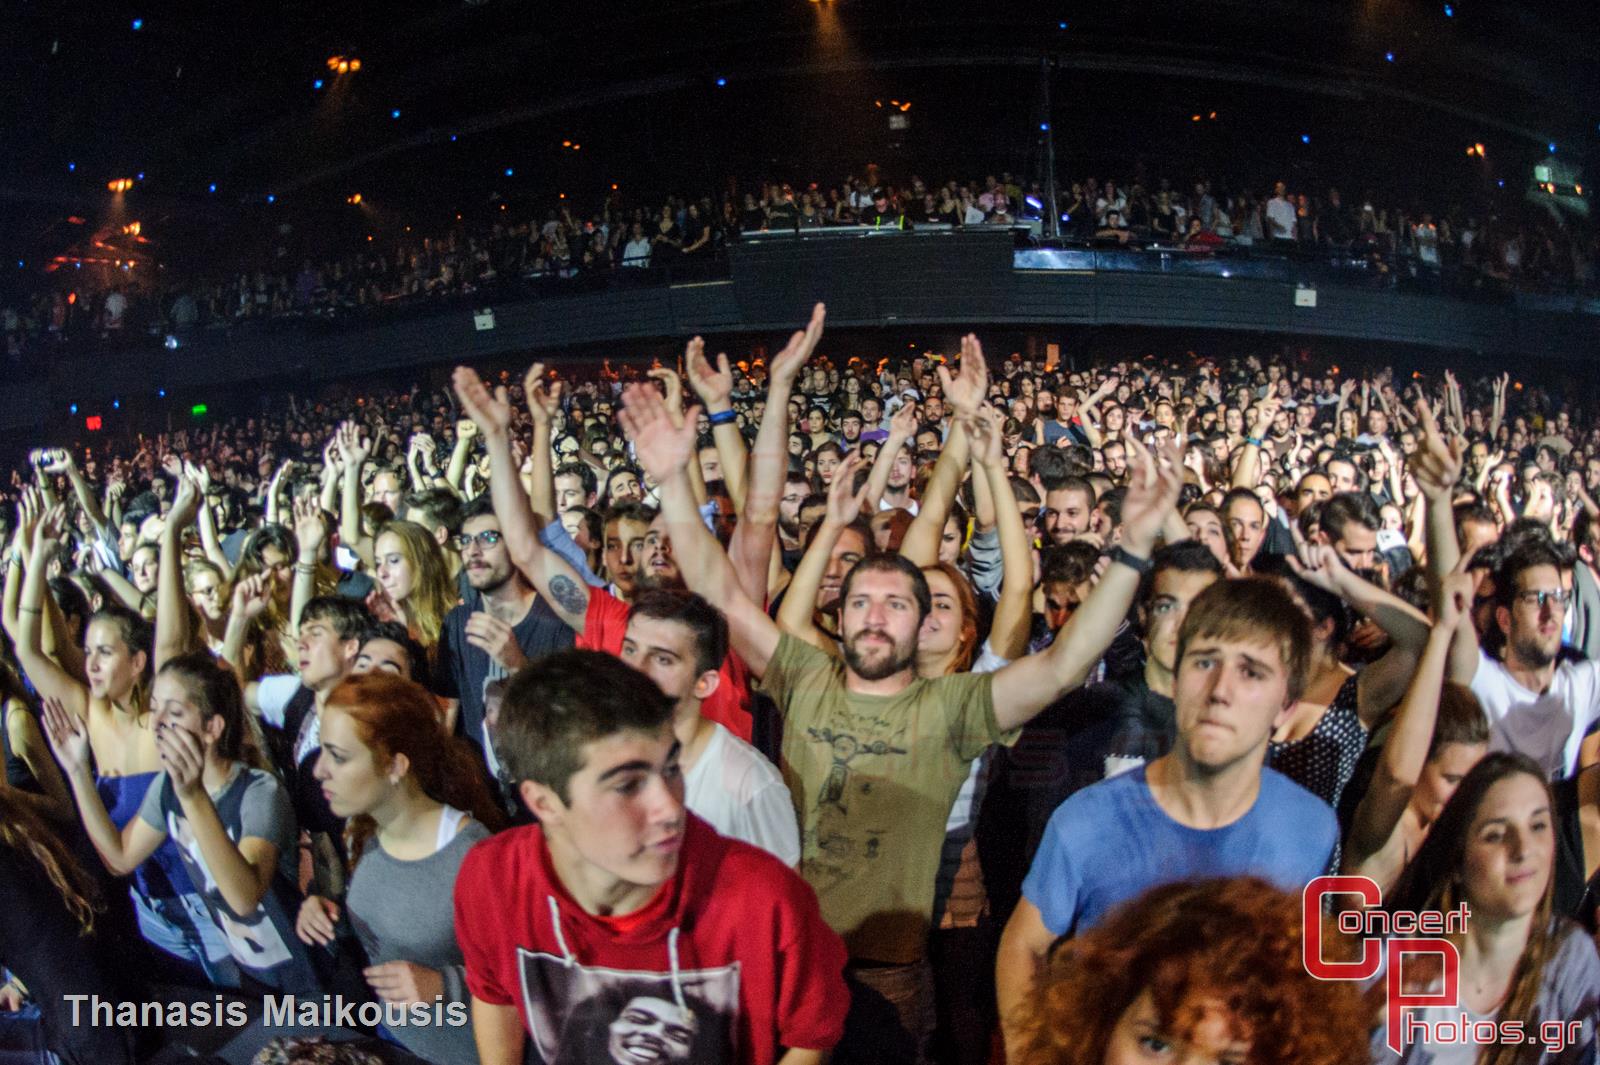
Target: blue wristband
<point x="722" y="417"/>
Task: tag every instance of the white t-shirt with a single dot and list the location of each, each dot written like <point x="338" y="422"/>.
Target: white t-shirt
<point x="742" y="795"/>
<point x="1280" y="219"/>
<point x="1547" y="727"/>
<point x="636" y="253"/>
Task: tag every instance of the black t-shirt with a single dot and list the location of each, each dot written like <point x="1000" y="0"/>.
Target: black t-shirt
<point x="463" y="670"/>
<point x="1080" y="739"/>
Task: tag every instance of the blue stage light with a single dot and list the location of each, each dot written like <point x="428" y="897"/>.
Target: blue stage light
<point x="212" y="187"/>
<point x="395" y="113"/>
<point x="1449" y="12"/>
<point x="72" y="409"/>
<point x="271" y="198"/>
<point x="1389" y="56"/>
<point x="316" y="83"/>
<point x="1305" y="138"/>
<point x="722" y="83"/>
<point x="509" y="171"/>
<point x="138" y="24"/>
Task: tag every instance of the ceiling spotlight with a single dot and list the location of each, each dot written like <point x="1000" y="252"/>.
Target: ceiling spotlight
<point x="1388" y="57"/>
<point x="722" y="83"/>
<point x="138" y="24"/>
<point x="1305" y="138"/>
<point x="212" y="187"/>
<point x="316" y="83"/>
<point x="395" y="113"/>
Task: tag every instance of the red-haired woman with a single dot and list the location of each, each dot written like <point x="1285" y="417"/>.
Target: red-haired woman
<point x="416" y="800"/>
<point x="1195" y="971"/>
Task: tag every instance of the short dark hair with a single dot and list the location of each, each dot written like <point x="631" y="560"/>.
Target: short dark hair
<point x="582" y="471"/>
<point x="349" y="617"/>
<point x="704" y="622"/>
<point x="477" y="507"/>
<point x="396" y="632"/>
<point x="1074" y="483"/>
<point x="1345" y="508"/>
<point x="887" y="562"/>
<point x="1069" y="563"/>
<point x="555" y="707"/>
<point x="1185" y="556"/>
<point x="643" y="513"/>
<point x="1523" y="557"/>
<point x="1460" y="720"/>
<point x="1053" y="468"/>
<point x="439" y="507"/>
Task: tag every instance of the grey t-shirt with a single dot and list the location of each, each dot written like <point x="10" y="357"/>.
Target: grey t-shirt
<point x="405" y="911"/>
<point x="251" y="803"/>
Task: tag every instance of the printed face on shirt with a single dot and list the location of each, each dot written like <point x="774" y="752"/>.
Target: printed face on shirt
<point x="1230" y="694"/>
<point x="624" y="816"/>
<point x="351" y="779"/>
<point x="488" y="565"/>
<point x="1141" y="1037"/>
<point x="879" y="624"/>
<point x="664" y="651"/>
<point x="1510" y="850"/>
<point x="382" y="656"/>
<point x="651" y="1031"/>
<point x="394" y="569"/>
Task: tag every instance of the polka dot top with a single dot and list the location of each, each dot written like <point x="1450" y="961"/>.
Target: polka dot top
<point x="1323" y="760"/>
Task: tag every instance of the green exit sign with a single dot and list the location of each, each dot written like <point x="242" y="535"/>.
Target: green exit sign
<point x="198" y="409"/>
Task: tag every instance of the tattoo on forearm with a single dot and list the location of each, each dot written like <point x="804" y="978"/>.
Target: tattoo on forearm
<point x="568" y="596"/>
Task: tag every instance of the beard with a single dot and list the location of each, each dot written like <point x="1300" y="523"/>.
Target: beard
<point x="877" y="664"/>
<point x="646" y="579"/>
<point x="1531" y="653"/>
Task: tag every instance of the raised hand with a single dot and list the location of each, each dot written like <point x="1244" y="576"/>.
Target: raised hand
<point x="52" y="524"/>
<point x="985" y="431"/>
<point x="465" y="429"/>
<point x="544" y="402"/>
<point x="404" y="981"/>
<point x="844" y="502"/>
<point x="490" y="412"/>
<point x="674" y="391"/>
<point x="903" y="425"/>
<point x="68" y="735"/>
<point x="1266" y="414"/>
<point x="787" y="364"/>
<point x="1436" y="464"/>
<point x="186" y="505"/>
<point x="172" y="465"/>
<point x="56" y="460"/>
<point x="310" y="532"/>
<point x="29" y="510"/>
<point x="1154" y="481"/>
<point x="354" y="449"/>
<point x="496" y="639"/>
<point x="1456" y="592"/>
<point x="663" y="446"/>
<point x="1319" y="565"/>
<point x="714" y="385"/>
<point x="252" y="595"/>
<point x="967" y="389"/>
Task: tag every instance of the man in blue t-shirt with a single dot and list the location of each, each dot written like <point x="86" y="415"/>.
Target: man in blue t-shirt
<point x="1207" y="808"/>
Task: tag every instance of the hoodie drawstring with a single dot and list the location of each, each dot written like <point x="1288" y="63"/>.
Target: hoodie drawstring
<point x="677" y="982"/>
<point x="561" y="940"/>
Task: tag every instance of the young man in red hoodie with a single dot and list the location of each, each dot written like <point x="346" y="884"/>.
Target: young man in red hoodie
<point x="622" y="924"/>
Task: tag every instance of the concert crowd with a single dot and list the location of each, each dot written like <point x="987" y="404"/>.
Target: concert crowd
<point x="957" y="707"/>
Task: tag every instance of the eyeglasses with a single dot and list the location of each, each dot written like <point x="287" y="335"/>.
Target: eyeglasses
<point x="1539" y="599"/>
<point x="486" y="539"/>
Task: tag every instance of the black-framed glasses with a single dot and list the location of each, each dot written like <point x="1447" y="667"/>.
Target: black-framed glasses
<point x="486" y="539"/>
<point x="1540" y="598"/>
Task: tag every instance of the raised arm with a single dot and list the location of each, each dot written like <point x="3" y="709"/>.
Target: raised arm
<point x="80" y="488"/>
<point x="354" y="449"/>
<point x="310" y="534"/>
<point x="1247" y="473"/>
<point x="1008" y="633"/>
<point x="1406" y="749"/>
<point x="901" y="429"/>
<point x="665" y="450"/>
<point x="544" y="403"/>
<point x="49" y="679"/>
<point x="1383" y="682"/>
<point x="1029" y="684"/>
<point x="965" y="392"/>
<point x="799" y="602"/>
<point x="753" y="548"/>
<point x="714" y="386"/>
<point x="209" y="542"/>
<point x="121" y="851"/>
<point x="1437" y="467"/>
<point x="547" y="571"/>
<point x="172" y="608"/>
<point x="250" y="599"/>
<point x="455" y="473"/>
<point x="243" y="869"/>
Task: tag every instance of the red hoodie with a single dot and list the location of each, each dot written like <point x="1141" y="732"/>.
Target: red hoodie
<point x="732" y="964"/>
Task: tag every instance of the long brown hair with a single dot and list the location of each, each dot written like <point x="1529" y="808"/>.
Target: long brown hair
<point x="1433" y="881"/>
<point x="25" y="830"/>
<point x="967" y="644"/>
<point x="394" y="716"/>
<point x="433" y="594"/>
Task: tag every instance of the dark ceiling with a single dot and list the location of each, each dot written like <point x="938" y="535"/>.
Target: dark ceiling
<point x="204" y="93"/>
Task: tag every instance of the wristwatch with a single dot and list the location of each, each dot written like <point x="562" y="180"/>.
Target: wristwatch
<point x="1132" y="561"/>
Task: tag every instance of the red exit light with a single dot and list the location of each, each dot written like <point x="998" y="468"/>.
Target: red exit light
<point x="92" y="423"/>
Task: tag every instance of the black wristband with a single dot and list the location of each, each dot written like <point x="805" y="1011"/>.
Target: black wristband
<point x="1132" y="561"/>
<point x="722" y="417"/>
